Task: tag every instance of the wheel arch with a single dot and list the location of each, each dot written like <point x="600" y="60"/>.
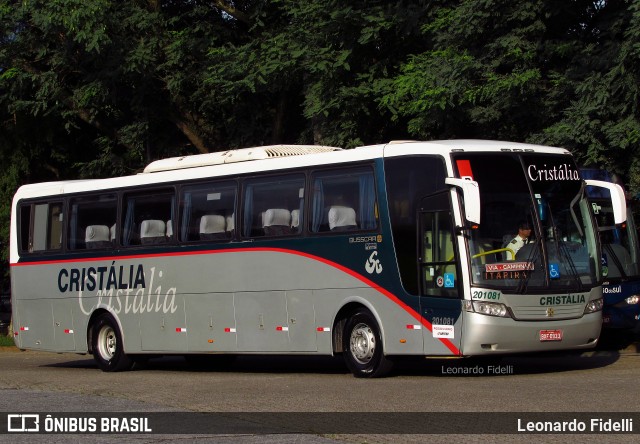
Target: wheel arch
<point x="348" y="308"/>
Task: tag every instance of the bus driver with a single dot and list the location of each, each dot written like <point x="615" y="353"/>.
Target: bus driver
<point x="522" y="238"/>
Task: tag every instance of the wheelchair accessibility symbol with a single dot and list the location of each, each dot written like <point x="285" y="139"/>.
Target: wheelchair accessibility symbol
<point x="449" y="280"/>
<point x="554" y="271"/>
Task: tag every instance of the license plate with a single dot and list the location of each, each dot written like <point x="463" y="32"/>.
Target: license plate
<point x="550" y="335"/>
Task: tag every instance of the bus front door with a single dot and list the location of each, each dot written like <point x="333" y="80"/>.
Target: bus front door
<point x="440" y="286"/>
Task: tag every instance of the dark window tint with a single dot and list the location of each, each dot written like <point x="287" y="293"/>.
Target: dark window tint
<point x="92" y="221"/>
<point x="148" y="218"/>
<point x="409" y="179"/>
<point x="41" y="226"/>
<point x="344" y="201"/>
<point x="437" y="247"/>
<point x="208" y="212"/>
<point x="25" y="227"/>
<point x="273" y="206"/>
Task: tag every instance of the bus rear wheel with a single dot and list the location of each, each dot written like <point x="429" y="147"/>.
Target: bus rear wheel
<point x="362" y="346"/>
<point x="107" y="346"/>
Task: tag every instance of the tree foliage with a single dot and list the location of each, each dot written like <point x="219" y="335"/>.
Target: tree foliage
<point x="100" y="88"/>
<point x="598" y="115"/>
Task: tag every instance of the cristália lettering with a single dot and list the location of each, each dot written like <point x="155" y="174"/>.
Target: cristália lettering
<point x="115" y="277"/>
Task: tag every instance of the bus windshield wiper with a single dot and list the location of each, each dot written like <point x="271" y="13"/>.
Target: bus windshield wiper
<point x="531" y="258"/>
<point x="564" y="251"/>
<point x="616" y="260"/>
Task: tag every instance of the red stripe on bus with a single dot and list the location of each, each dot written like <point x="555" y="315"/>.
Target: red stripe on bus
<point x="446" y="342"/>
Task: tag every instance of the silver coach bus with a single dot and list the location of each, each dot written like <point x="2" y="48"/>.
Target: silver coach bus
<point x="390" y="250"/>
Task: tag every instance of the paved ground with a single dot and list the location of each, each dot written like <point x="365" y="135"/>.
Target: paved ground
<point x="599" y="381"/>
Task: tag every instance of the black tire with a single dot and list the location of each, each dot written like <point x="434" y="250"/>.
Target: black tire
<point x="362" y="346"/>
<point x="107" y="346"/>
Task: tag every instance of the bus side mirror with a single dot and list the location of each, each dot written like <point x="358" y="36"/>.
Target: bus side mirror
<point x="618" y="200"/>
<point x="471" y="194"/>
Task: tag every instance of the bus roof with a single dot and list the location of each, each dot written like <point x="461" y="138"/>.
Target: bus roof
<point x="270" y="158"/>
<point x="232" y="156"/>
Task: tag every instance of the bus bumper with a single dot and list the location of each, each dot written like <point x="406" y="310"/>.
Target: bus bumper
<point x="624" y="318"/>
<point x="486" y="335"/>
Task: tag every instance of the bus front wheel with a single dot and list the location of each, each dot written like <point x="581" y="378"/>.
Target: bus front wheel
<point x="362" y="346"/>
<point x="107" y="346"/>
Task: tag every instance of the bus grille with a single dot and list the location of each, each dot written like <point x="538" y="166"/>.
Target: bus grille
<point x="548" y="312"/>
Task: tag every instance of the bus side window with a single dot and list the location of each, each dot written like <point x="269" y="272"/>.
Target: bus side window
<point x="25" y="228"/>
<point x="45" y="229"/>
<point x="91" y="221"/>
<point x="207" y="212"/>
<point x="273" y="206"/>
<point x="344" y="201"/>
<point x="148" y="218"/>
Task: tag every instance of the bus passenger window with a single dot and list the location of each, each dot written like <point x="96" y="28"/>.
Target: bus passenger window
<point x="25" y="228"/>
<point x="148" y="218"/>
<point x="344" y="201"/>
<point x="273" y="206"/>
<point x="208" y="212"/>
<point x="91" y="221"/>
<point x="46" y="227"/>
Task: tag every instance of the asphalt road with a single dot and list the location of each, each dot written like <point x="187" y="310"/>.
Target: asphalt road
<point x="600" y="381"/>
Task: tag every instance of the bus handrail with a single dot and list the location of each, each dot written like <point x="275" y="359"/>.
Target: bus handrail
<point x="499" y="250"/>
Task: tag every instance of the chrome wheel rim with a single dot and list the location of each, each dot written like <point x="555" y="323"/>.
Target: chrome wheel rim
<point x="362" y="343"/>
<point x="107" y="343"/>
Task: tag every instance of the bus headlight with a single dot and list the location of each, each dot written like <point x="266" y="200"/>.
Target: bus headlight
<point x="487" y="308"/>
<point x="593" y="306"/>
<point x="632" y="300"/>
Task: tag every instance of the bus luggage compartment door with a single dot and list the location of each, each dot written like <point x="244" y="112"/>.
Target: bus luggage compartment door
<point x="261" y="319"/>
<point x="34" y="325"/>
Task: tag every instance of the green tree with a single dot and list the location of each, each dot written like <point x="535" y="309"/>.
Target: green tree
<point x="597" y="115"/>
<point x="93" y="89"/>
<point x="482" y="71"/>
<point x="315" y="66"/>
<point x="558" y="73"/>
<point x="100" y="88"/>
<point x="125" y="75"/>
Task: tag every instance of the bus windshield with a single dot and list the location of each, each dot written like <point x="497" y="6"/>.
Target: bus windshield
<point x="619" y="243"/>
<point x="619" y="247"/>
<point x="536" y="230"/>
